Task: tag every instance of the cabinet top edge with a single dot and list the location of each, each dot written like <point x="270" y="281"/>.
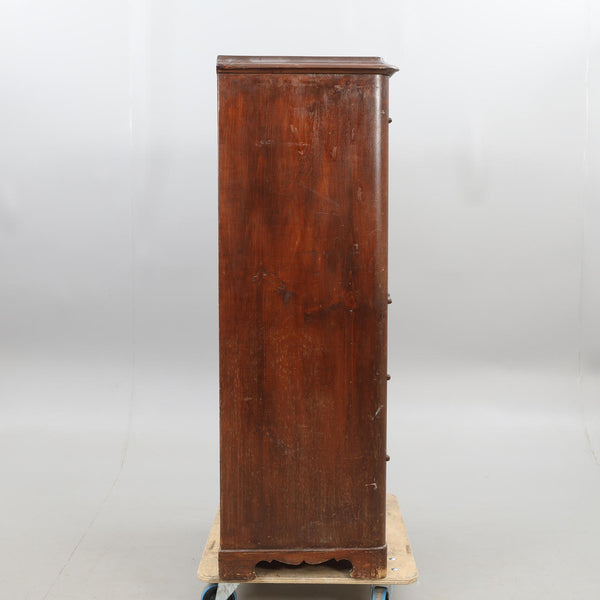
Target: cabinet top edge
<point x="304" y="64"/>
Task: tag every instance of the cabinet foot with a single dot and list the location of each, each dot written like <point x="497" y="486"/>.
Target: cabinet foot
<point x="239" y="565"/>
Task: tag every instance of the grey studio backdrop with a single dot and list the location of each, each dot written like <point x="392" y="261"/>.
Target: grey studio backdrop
<point x="108" y="289"/>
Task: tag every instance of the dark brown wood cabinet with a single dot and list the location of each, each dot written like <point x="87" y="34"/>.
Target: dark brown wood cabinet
<point x="303" y="300"/>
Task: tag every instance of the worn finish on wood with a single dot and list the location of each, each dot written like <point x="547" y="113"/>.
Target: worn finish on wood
<point x="402" y="569"/>
<point x="303" y="315"/>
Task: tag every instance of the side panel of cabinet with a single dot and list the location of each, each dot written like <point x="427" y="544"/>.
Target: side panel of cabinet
<point x="303" y="310"/>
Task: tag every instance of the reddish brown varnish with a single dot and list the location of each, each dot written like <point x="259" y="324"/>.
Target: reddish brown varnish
<point x="303" y="306"/>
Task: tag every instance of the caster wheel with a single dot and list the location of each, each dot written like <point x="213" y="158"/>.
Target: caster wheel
<point x="210" y="593"/>
<point x="379" y="592"/>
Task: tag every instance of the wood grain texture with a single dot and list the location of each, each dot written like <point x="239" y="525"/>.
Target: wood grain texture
<point x="303" y="318"/>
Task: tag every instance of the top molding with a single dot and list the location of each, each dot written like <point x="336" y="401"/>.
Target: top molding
<point x="304" y="64"/>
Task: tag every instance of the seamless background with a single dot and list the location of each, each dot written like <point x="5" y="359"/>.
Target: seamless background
<point x="108" y="288"/>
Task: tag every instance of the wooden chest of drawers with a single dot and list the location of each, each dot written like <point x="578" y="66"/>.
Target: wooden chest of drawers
<point x="303" y="305"/>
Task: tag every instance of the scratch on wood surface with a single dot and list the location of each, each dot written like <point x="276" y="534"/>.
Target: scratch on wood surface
<point x="377" y="412"/>
<point x="321" y="196"/>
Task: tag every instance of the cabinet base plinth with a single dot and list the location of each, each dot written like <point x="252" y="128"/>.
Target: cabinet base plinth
<point x="239" y="565"/>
